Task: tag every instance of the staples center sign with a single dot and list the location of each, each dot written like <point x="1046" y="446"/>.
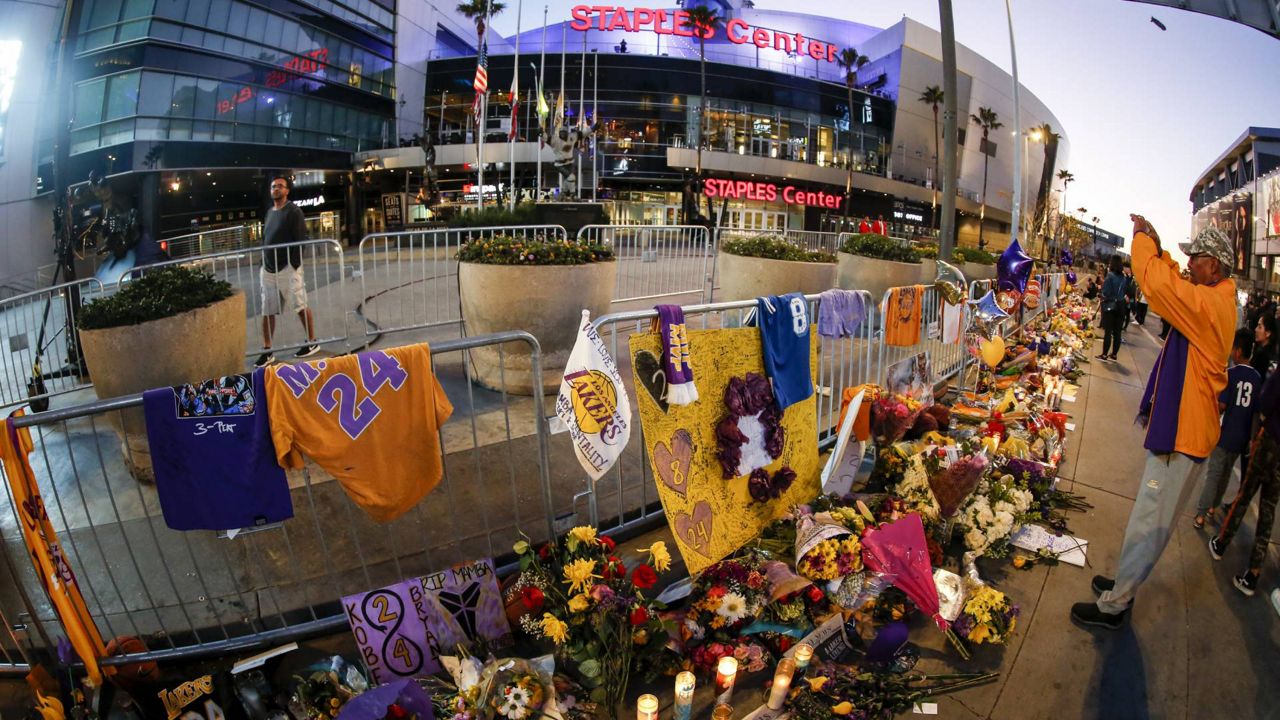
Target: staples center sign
<point x="675" y="22"/>
<point x="769" y="192"/>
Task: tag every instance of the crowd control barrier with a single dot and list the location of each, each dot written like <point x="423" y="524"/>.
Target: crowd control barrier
<point x="40" y="357"/>
<point x="657" y="261"/>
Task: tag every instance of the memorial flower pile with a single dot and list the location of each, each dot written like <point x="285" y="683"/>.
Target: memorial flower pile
<point x="988" y="617"/>
<point x="892" y="415"/>
<point x="992" y="514"/>
<point x="730" y="595"/>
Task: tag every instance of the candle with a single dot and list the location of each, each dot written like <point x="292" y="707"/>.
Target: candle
<point x="781" y="683"/>
<point x="804" y="653"/>
<point x="685" y="684"/>
<point x="647" y="707"/>
<point x="726" y="672"/>
<point x="722" y="712"/>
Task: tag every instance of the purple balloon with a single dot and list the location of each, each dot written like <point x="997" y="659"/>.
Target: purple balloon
<point x="1014" y="268"/>
<point x="1066" y="258"/>
<point x="1071" y="276"/>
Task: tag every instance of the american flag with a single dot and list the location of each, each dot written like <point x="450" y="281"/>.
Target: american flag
<point x="481" y="83"/>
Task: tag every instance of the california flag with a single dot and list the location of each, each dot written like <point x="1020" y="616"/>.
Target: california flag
<point x="593" y="403"/>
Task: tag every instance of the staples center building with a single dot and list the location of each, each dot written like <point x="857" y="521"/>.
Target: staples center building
<point x="781" y="131"/>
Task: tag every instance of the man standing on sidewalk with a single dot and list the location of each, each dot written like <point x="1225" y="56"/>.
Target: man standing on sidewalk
<point x="1180" y="406"/>
<point x="281" y="274"/>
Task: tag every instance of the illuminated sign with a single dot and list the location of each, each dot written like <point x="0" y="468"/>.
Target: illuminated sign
<point x="310" y="202"/>
<point x="675" y="22"/>
<point x="769" y="192"/>
<point x="296" y="66"/>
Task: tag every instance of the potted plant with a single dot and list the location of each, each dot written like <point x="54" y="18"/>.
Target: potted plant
<point x="875" y="263"/>
<point x="171" y="326"/>
<point x="769" y="265"/>
<point x="533" y="284"/>
<point x="976" y="264"/>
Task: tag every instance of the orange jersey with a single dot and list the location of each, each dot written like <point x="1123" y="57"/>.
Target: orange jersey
<point x="902" y="316"/>
<point x="370" y="420"/>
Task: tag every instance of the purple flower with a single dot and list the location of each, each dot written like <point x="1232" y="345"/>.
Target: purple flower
<point x="963" y="625"/>
<point x="735" y="397"/>
<point x="759" y="486"/>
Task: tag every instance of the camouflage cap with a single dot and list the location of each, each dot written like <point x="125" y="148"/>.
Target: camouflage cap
<point x="1211" y="241"/>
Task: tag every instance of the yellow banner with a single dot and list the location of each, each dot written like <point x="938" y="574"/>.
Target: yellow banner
<point x="709" y="515"/>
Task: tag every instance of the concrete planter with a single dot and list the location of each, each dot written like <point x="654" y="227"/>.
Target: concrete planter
<point x="744" y="278"/>
<point x="855" y="272"/>
<point x="544" y="300"/>
<point x="975" y="271"/>
<point x="204" y="343"/>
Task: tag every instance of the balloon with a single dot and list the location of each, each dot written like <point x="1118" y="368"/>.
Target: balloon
<point x="949" y="282"/>
<point x="1008" y="300"/>
<point x="1014" y="268"/>
<point x="1071" y="276"/>
<point x="993" y="351"/>
<point x="1066" y="258"/>
<point x="985" y="314"/>
<point x="1031" y="300"/>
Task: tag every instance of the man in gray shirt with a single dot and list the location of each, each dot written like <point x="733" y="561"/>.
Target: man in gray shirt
<point x="281" y="274"/>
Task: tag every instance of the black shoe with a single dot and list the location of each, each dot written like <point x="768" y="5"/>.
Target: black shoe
<point x="265" y="359"/>
<point x="307" y="350"/>
<point x="1246" y="583"/>
<point x="1103" y="358"/>
<point x="1087" y="613"/>
<point x="1102" y="583"/>
<point x="1215" y="548"/>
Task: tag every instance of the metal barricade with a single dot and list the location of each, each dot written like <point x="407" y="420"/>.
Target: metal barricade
<point x="206" y="242"/>
<point x="38" y="335"/>
<point x="324" y="277"/>
<point x="657" y="260"/>
<point x="195" y="593"/>
<point x="947" y="354"/>
<point x="811" y="240"/>
<point x="409" y="280"/>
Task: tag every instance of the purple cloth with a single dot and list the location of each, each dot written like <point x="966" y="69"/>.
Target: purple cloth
<point x="675" y="355"/>
<point x="373" y="704"/>
<point x="1162" y="399"/>
<point x="840" y="313"/>
<point x="1242" y="396"/>
<point x="1270" y="406"/>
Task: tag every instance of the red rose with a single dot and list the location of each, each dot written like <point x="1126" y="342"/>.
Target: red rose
<point x="544" y="552"/>
<point x="532" y="598"/>
<point x="639" y="616"/>
<point x="395" y="712"/>
<point x="815" y="594"/>
<point x="644" y="576"/>
<point x="607" y="542"/>
<point x="785" y="643"/>
<point x="613" y="568"/>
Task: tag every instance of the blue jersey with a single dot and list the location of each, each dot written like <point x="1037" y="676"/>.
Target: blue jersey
<point x="1242" y="396"/>
<point x="784" y="336"/>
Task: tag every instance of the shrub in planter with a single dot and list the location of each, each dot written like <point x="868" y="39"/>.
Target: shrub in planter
<point x="769" y="265"/>
<point x="173" y="325"/>
<point x="540" y="286"/>
<point x="880" y="247"/>
<point x="876" y="263"/>
<point x="977" y="264"/>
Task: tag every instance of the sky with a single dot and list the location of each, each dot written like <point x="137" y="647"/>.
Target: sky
<point x="1146" y="110"/>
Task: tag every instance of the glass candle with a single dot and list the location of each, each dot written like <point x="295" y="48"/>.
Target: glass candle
<point x="722" y="712"/>
<point x="647" y="707"/>
<point x="804" y="653"/>
<point x="781" y="683"/>
<point x="726" y="673"/>
<point x="686" y="682"/>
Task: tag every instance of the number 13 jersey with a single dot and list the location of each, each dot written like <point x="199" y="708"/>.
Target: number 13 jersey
<point x="369" y="419"/>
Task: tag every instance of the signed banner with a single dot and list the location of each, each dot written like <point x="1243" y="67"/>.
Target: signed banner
<point x="391" y="634"/>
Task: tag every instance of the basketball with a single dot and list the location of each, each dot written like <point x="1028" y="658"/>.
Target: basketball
<point x="129" y="645"/>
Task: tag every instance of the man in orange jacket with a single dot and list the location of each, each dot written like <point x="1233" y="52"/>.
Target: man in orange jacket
<point x="1180" y="406"/>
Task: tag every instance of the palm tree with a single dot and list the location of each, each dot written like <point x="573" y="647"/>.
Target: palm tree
<point x="850" y="61"/>
<point x="1045" y="134"/>
<point x="475" y="10"/>
<point x="988" y="120"/>
<point x="704" y="21"/>
<point x="934" y="97"/>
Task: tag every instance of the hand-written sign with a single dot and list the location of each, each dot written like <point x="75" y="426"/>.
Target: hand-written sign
<point x="394" y="641"/>
<point x="463" y="604"/>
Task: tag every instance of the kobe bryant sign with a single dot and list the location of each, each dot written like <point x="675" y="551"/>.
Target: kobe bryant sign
<point x="593" y="403"/>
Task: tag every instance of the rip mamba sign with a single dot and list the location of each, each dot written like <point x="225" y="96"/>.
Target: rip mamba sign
<point x="710" y="516"/>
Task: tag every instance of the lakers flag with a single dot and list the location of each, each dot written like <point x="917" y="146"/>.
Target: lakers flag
<point x="593" y="403"/>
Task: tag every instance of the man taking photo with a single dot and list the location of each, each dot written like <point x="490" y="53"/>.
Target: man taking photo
<point x="281" y="274"/>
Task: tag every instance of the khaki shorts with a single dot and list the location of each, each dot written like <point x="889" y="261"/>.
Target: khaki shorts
<point x="283" y="287"/>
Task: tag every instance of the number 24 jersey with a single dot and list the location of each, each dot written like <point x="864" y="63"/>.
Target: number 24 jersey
<point x="369" y="419"/>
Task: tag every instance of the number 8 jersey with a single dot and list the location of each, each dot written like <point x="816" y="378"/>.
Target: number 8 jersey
<point x="370" y="420"/>
<point x="784" y="338"/>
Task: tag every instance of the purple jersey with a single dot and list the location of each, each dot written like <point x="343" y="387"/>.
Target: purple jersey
<point x="214" y="459"/>
<point x="1242" y="397"/>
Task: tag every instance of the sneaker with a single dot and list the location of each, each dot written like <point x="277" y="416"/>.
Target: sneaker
<point x="1102" y="583"/>
<point x="1275" y="600"/>
<point x="307" y="350"/>
<point x="1087" y="613"/>
<point x="1216" y="548"/>
<point x="265" y="359"/>
<point x="1104" y="358"/>
<point x="1246" y="583"/>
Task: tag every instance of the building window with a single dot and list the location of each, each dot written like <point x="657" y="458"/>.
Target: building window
<point x="10" y="51"/>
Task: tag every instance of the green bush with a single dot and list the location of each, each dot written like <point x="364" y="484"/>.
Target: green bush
<point x="507" y="250"/>
<point x="495" y="216"/>
<point x="927" y="251"/>
<point x="973" y="255"/>
<point x="162" y="293"/>
<point x="772" y="247"/>
<point x="880" y="247"/>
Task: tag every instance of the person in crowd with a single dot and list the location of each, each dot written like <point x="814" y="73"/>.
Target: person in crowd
<point x="1130" y="297"/>
<point x="1091" y="290"/>
<point x="879" y="227"/>
<point x="1238" y="405"/>
<point x="864" y="227"/>
<point x="1264" y="347"/>
<point x="1263" y="476"/>
<point x="281" y="273"/>
<point x="1179" y="406"/>
<point x="1139" y="305"/>
<point x="1113" y="309"/>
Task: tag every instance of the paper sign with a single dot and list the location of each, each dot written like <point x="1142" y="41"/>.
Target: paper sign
<point x="392" y="638"/>
<point x="912" y="377"/>
<point x="709" y="515"/>
<point x="846" y="459"/>
<point x="925" y="708"/>
<point x="462" y="604"/>
<point x="1071" y="427"/>
<point x="1070" y="550"/>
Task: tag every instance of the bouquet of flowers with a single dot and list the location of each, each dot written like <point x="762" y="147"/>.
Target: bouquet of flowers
<point x="514" y="690"/>
<point x="322" y="693"/>
<point x="838" y="691"/>
<point x="892" y="415"/>
<point x="583" y="598"/>
<point x="1048" y="503"/>
<point x="890" y="466"/>
<point x="915" y="493"/>
<point x="751" y="656"/>
<point x="952" y="483"/>
<point x="728" y="596"/>
<point x="992" y="514"/>
<point x="826" y="549"/>
<point x="988" y="617"/>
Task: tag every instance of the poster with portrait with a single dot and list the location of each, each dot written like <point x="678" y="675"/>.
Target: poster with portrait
<point x="1239" y="227"/>
<point x="1267" y="207"/>
<point x="709" y="514"/>
<point x="912" y="377"/>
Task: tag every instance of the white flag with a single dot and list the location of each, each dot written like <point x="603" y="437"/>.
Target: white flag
<point x="593" y="403"/>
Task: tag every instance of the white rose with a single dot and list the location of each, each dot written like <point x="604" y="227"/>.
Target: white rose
<point x="975" y="540"/>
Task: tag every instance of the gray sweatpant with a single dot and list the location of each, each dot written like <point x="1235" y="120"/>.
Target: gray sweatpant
<point x="1167" y="482"/>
